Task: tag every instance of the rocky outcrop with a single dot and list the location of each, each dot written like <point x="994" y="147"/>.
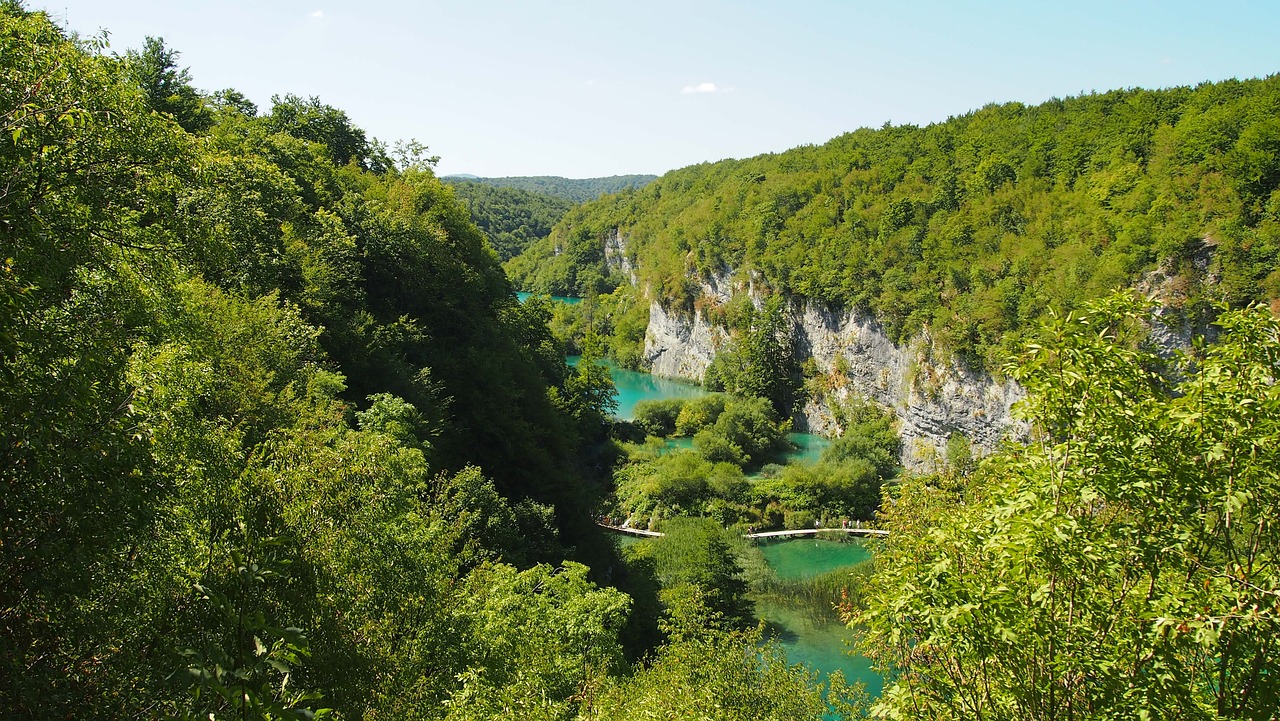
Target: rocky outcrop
<point x="932" y="400"/>
<point x="680" y="346"/>
<point x="616" y="258"/>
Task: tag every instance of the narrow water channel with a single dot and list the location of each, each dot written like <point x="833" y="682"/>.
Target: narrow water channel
<point x="822" y="644"/>
<point x="819" y="642"/>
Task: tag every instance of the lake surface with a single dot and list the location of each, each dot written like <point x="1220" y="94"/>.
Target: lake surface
<point x="808" y="557"/>
<point x="819" y="643"/>
<point x="570" y="300"/>
<point x="634" y="386"/>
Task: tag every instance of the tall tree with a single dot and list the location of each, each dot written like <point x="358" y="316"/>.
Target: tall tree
<point x="168" y="88"/>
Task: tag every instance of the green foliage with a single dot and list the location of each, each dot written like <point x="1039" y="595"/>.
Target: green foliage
<point x="167" y="88"/>
<point x="761" y="363"/>
<point x="745" y="433"/>
<point x="1124" y="563"/>
<point x="540" y="636"/>
<point x="394" y="417"/>
<point x="246" y="673"/>
<point x="657" y="417"/>
<point x="847" y="489"/>
<point x="725" y="677"/>
<point x="694" y="557"/>
<point x="575" y="190"/>
<point x="511" y="218"/>
<point x="303" y="389"/>
<point x="311" y="120"/>
<point x="868" y="434"/>
<point x="589" y="394"/>
<point x="971" y="228"/>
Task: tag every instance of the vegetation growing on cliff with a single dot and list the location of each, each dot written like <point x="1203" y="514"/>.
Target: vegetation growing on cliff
<point x="972" y="227"/>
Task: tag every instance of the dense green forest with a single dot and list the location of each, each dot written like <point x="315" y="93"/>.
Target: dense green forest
<point x="577" y="190"/>
<point x="511" y="218"/>
<point x="973" y="227"/>
<point x="277" y="441"/>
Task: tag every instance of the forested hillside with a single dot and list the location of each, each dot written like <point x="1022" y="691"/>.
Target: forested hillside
<point x="972" y="227"/>
<point x="578" y="190"/>
<point x="277" y="441"/>
<point x="511" y="218"/>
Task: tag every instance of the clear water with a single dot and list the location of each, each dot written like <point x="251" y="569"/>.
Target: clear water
<point x="634" y="387"/>
<point x="809" y="447"/>
<point x="570" y="300"/>
<point x="807" y="557"/>
<point x="820" y="644"/>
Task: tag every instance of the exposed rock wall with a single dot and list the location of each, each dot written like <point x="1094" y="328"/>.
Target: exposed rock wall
<point x="678" y="346"/>
<point x="616" y="258"/>
<point x="931" y="400"/>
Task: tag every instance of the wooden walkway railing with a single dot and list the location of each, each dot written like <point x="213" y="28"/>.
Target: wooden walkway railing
<point x="765" y="534"/>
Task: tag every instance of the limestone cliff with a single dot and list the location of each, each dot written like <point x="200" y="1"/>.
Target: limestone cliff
<point x="932" y="400"/>
<point x="855" y="357"/>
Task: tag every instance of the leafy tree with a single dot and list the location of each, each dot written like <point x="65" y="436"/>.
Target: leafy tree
<point x="722" y="676"/>
<point x="762" y="362"/>
<point x="1124" y="563"/>
<point x="694" y="553"/>
<point x="168" y="89"/>
<point x="310" y="119"/>
<point x="589" y="394"/>
<point x="658" y="416"/>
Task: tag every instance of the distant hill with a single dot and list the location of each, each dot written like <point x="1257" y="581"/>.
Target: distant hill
<point x="579" y="190"/>
<point x="512" y="218"/>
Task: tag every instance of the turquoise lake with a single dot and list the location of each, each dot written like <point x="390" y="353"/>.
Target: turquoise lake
<point x="523" y="296"/>
<point x="820" y="644"/>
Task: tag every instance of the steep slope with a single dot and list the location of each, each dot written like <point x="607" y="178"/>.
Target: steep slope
<point x="511" y="218"/>
<point x="947" y="242"/>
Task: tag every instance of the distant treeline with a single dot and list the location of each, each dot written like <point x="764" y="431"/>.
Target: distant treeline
<point x="578" y="190"/>
<point x="512" y="218"/>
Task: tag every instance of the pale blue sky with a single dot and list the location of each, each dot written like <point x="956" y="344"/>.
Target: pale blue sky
<point x="591" y="88"/>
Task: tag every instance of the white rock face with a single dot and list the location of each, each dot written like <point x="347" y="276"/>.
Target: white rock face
<point x="930" y="400"/>
<point x="680" y="347"/>
<point x="616" y="258"/>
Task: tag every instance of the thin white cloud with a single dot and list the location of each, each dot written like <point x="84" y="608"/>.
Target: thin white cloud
<point x="702" y="88"/>
<point x="317" y="15"/>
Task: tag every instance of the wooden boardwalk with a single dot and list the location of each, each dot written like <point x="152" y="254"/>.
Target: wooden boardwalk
<point x="765" y="534"/>
<point x="815" y="531"/>
<point x="631" y="531"/>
